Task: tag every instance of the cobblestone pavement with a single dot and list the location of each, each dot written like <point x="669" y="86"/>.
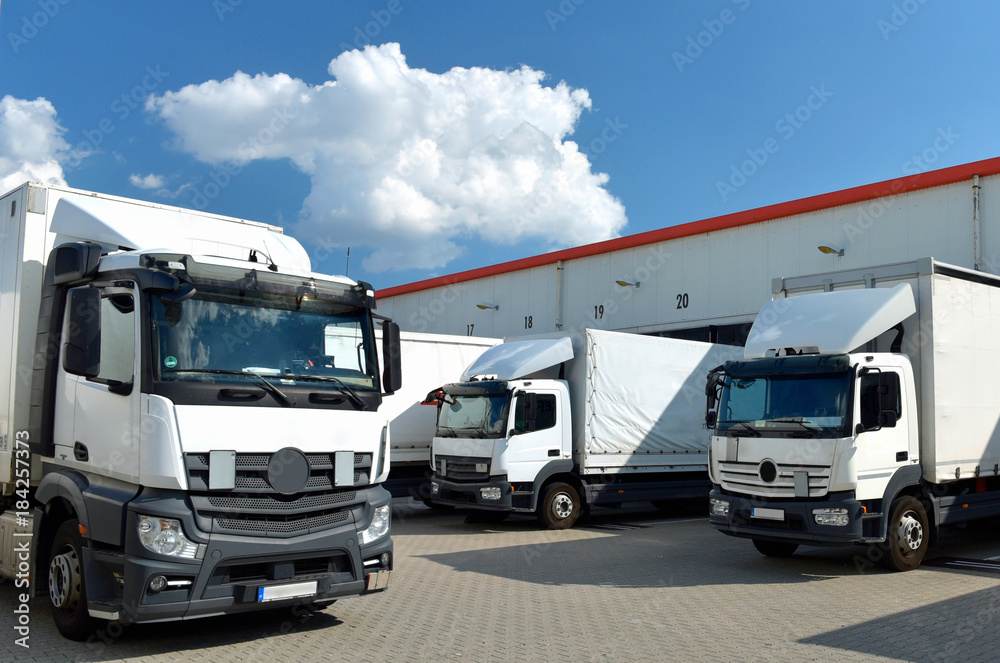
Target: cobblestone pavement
<point x="634" y="585"/>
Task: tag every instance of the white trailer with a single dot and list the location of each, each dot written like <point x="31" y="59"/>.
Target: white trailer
<point x="862" y="412"/>
<point x="553" y="425"/>
<point x="176" y="437"/>
<point x="428" y="361"/>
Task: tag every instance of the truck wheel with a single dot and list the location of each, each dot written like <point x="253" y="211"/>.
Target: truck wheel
<point x="908" y="536"/>
<point x="775" y="548"/>
<point x="560" y="507"/>
<point x="67" y="587"/>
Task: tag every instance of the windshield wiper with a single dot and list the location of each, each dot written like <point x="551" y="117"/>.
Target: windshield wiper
<point x="352" y="395"/>
<point x="268" y="387"/>
<point x="812" y="429"/>
<point x="756" y="433"/>
<point x="441" y="430"/>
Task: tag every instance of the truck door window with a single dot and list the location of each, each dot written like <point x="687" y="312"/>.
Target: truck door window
<point x="117" y="336"/>
<point x="544" y="416"/>
<point x="872" y="401"/>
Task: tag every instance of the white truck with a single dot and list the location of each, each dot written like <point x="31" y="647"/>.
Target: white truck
<point x="429" y="360"/>
<point x="861" y="415"/>
<point x="553" y="425"/>
<point x="189" y="417"/>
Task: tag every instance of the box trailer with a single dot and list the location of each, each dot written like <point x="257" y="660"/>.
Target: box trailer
<point x="428" y="361"/>
<point x="859" y="414"/>
<point x="179" y="435"/>
<point x="553" y="425"/>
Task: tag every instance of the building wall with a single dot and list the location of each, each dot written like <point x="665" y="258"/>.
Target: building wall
<point x="711" y="278"/>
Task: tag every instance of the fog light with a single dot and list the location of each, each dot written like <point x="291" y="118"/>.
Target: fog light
<point x="831" y="516"/>
<point x="157" y="584"/>
<point x="491" y="493"/>
<point x="435" y="488"/>
<point x="718" y="507"/>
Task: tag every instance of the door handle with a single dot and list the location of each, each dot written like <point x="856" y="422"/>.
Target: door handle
<point x="553" y="452"/>
<point x="902" y="456"/>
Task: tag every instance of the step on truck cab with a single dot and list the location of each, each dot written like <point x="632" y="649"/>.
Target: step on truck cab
<point x="189" y="416"/>
<point x="859" y="414"/>
<point x="554" y="424"/>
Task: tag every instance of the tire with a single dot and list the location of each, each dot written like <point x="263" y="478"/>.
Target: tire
<point x="67" y="588"/>
<point x="560" y="506"/>
<point x="775" y="548"/>
<point x="909" y="535"/>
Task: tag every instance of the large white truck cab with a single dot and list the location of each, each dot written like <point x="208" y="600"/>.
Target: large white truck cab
<point x="192" y="411"/>
<point x="855" y="418"/>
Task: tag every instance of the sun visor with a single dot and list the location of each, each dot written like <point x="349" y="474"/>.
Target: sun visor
<point x="831" y="322"/>
<point x="118" y="224"/>
<point x="509" y="361"/>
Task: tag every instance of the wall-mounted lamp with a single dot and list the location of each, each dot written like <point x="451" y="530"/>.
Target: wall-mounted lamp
<point x="487" y="307"/>
<point x="626" y="284"/>
<point x="830" y="250"/>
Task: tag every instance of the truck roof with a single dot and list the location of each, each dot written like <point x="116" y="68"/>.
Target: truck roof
<point x="829" y="322"/>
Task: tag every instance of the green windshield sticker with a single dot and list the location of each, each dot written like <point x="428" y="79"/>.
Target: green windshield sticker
<point x="170" y="362"/>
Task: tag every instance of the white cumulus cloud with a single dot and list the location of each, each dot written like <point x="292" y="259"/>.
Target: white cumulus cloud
<point x="151" y="181"/>
<point x="31" y="143"/>
<point x="409" y="163"/>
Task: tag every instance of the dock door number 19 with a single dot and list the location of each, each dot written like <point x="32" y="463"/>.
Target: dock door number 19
<point x="682" y="302"/>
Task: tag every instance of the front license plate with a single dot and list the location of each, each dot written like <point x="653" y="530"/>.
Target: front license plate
<point x="377" y="580"/>
<point x="279" y="592"/>
<point x="767" y="514"/>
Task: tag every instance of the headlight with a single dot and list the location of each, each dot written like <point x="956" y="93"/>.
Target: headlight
<point x="828" y="516"/>
<point x="165" y="536"/>
<point x="378" y="528"/>
<point x="491" y="493"/>
<point x="718" y="507"/>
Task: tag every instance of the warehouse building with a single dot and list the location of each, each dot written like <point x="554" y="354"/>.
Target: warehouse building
<point x="706" y="280"/>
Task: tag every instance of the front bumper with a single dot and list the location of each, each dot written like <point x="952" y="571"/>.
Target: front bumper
<point x="797" y="523"/>
<point x="470" y="495"/>
<point x="235" y="573"/>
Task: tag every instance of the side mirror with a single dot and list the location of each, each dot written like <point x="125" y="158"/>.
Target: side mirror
<point x="82" y="346"/>
<point x="887" y="418"/>
<point x="392" y="378"/>
<point x="710" y="418"/>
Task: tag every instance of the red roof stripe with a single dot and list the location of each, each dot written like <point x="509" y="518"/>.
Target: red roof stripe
<point x="747" y="217"/>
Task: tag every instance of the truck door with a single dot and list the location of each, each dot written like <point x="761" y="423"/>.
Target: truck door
<point x="883" y="446"/>
<point x="105" y="429"/>
<point x="535" y="434"/>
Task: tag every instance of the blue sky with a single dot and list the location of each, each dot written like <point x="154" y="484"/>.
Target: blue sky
<point x="471" y="133"/>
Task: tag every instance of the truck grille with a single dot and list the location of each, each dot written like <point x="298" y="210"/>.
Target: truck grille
<point x="462" y="468"/>
<point x="254" y="508"/>
<point x="251" y="472"/>
<point x="746" y="478"/>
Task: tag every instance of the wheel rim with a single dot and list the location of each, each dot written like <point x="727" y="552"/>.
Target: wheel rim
<point x="64" y="580"/>
<point x="562" y="506"/>
<point x="910" y="533"/>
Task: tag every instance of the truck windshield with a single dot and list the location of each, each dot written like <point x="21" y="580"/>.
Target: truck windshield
<point x="474" y="416"/>
<point x="811" y="405"/>
<point x="233" y="335"/>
